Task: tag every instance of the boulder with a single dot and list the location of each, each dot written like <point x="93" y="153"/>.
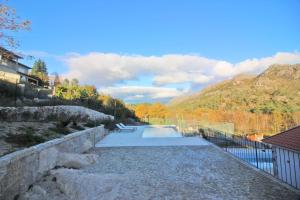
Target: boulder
<point x="79" y="185"/>
<point x="76" y="161"/>
<point x="35" y="193"/>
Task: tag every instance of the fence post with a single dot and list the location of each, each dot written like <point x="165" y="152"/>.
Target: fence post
<point x="16" y="88"/>
<point x="225" y="142"/>
<point x="256" y="156"/>
<point x="274" y="161"/>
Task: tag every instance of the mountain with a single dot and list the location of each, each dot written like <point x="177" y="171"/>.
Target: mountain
<point x="277" y="89"/>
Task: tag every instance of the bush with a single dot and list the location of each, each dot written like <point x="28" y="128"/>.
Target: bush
<point x="60" y="128"/>
<point x="90" y="124"/>
<point x="24" y="139"/>
<point x="77" y="127"/>
<point x="108" y="124"/>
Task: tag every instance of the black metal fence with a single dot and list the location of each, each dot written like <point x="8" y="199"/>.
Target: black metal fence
<point x="272" y="160"/>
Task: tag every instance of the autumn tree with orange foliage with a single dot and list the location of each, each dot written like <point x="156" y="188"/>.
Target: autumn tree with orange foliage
<point x="244" y="122"/>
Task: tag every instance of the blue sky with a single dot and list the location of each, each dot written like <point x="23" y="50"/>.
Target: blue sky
<point x="158" y="49"/>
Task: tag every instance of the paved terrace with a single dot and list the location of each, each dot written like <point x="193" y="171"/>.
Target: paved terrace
<point x="135" y="168"/>
<point x="176" y="168"/>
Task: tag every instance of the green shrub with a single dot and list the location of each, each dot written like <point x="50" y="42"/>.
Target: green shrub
<point x="90" y="124"/>
<point x="77" y="127"/>
<point x="24" y="139"/>
<point x="60" y="129"/>
<point x="108" y="124"/>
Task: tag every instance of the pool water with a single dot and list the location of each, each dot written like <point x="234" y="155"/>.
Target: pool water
<point x="160" y="132"/>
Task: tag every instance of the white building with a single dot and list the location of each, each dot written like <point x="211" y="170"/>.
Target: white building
<point x="13" y="71"/>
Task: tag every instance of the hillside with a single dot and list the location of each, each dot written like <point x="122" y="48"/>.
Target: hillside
<point x="276" y="89"/>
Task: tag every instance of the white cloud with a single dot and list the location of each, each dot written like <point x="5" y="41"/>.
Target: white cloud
<point x="224" y="69"/>
<point x="107" y="70"/>
<point x="144" y="93"/>
<point x="255" y="65"/>
<point x="182" y="77"/>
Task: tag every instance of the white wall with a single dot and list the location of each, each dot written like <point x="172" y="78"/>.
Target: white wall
<point x="288" y="166"/>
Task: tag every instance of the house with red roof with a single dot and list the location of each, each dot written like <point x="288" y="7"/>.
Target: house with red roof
<point x="286" y="155"/>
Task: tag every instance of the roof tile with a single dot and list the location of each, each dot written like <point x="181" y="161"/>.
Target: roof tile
<point x="289" y="139"/>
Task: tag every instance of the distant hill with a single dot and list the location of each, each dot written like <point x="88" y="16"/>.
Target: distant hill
<point x="277" y="89"/>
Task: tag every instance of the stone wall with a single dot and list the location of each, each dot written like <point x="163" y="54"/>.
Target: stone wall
<point x="19" y="170"/>
<point x="49" y="113"/>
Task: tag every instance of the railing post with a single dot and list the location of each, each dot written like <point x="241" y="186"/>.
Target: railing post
<point x="256" y="157"/>
<point x="225" y="142"/>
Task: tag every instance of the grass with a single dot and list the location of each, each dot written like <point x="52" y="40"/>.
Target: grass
<point x="24" y="139"/>
<point x="90" y="124"/>
<point x="60" y="128"/>
<point x="48" y="134"/>
<point x="108" y="124"/>
<point x="77" y="127"/>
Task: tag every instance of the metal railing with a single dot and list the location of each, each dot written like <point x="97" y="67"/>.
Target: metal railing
<point x="281" y="163"/>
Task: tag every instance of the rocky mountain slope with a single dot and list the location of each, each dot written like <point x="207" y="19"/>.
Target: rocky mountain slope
<point x="277" y="89"/>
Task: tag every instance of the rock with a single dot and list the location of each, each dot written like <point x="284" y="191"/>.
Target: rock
<point x="76" y="161"/>
<point x="35" y="193"/>
<point x="38" y="190"/>
<point x="18" y="102"/>
<point x="79" y="185"/>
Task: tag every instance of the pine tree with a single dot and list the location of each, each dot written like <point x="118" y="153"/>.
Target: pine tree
<point x="39" y="69"/>
<point x="56" y="79"/>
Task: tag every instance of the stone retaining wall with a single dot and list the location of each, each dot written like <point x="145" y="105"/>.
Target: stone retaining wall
<point x="22" y="168"/>
<point x="52" y="113"/>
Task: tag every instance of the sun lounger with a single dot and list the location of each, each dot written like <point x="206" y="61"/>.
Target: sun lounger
<point x="124" y="129"/>
<point x="124" y="126"/>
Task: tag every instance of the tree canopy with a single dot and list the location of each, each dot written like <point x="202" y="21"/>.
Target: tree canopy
<point x="87" y="95"/>
<point x="10" y="22"/>
<point x="39" y="69"/>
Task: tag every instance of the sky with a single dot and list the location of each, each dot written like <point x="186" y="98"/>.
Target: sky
<point x="156" y="50"/>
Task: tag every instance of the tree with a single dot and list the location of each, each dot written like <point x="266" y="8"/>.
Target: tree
<point x="39" y="66"/>
<point x="88" y="91"/>
<point x="142" y="111"/>
<point x="74" y="82"/>
<point x="157" y="110"/>
<point x="39" y="69"/>
<point x="66" y="82"/>
<point x="10" y="22"/>
<point x="56" y="79"/>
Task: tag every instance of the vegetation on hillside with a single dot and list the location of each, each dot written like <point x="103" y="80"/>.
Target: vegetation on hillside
<point x="275" y="90"/>
<point x="147" y="111"/>
<point x="267" y="103"/>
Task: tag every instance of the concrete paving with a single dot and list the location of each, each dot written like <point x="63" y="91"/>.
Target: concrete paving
<point x="123" y="139"/>
<point x="132" y="167"/>
<point x="181" y="172"/>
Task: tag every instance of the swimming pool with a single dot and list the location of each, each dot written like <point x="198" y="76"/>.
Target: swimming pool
<point x="160" y="132"/>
